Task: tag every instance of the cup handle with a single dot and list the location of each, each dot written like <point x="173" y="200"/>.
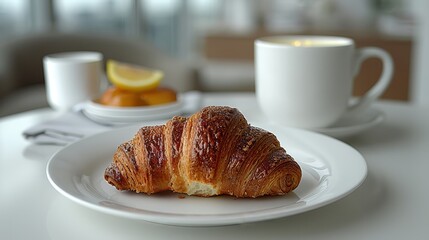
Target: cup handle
<point x="359" y="104"/>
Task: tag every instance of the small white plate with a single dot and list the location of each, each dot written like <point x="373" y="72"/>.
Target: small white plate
<point x="126" y="115"/>
<point x="331" y="170"/>
<point x="104" y="110"/>
<point x="348" y="126"/>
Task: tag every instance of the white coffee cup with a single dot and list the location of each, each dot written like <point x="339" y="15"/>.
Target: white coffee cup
<point x="307" y="81"/>
<point x="72" y="77"/>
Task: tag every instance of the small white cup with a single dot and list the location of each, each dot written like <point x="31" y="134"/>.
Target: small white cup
<point x="307" y="81"/>
<point x="72" y="77"/>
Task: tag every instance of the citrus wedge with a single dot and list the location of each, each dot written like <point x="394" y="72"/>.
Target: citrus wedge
<point x="132" y="77"/>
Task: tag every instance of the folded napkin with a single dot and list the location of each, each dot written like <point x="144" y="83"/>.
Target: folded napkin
<point x="65" y="129"/>
<point x="74" y="125"/>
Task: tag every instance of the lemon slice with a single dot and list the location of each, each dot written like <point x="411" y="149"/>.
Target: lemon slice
<point x="132" y="77"/>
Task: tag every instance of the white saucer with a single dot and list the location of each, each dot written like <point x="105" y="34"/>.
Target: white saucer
<point x="103" y="110"/>
<point x="346" y="127"/>
<point x="127" y="115"/>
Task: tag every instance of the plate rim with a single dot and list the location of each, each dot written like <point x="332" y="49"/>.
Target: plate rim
<point x="204" y="220"/>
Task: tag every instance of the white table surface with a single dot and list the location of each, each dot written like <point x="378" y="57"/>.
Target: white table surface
<point x="392" y="203"/>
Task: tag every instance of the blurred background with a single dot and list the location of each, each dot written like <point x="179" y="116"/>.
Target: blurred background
<point x="211" y="39"/>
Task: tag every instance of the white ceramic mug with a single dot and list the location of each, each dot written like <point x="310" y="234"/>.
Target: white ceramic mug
<point x="307" y="81"/>
<point x="72" y="77"/>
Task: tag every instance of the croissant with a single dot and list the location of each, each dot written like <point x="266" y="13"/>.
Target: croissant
<point x="213" y="152"/>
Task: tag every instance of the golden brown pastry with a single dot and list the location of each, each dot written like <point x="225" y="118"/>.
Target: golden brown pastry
<point x="117" y="97"/>
<point x="160" y="95"/>
<point x="213" y="152"/>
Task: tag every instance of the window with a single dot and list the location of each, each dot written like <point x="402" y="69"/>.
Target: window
<point x="96" y="16"/>
<point x="14" y="17"/>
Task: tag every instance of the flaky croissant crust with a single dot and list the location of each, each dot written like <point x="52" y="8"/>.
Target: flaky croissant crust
<point x="213" y="152"/>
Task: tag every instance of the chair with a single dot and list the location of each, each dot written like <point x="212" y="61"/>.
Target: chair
<point x="21" y="65"/>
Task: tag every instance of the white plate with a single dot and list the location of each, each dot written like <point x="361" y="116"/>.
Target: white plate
<point x="127" y="120"/>
<point x="126" y="115"/>
<point x="331" y="170"/>
<point x="347" y="126"/>
<point x="133" y="111"/>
